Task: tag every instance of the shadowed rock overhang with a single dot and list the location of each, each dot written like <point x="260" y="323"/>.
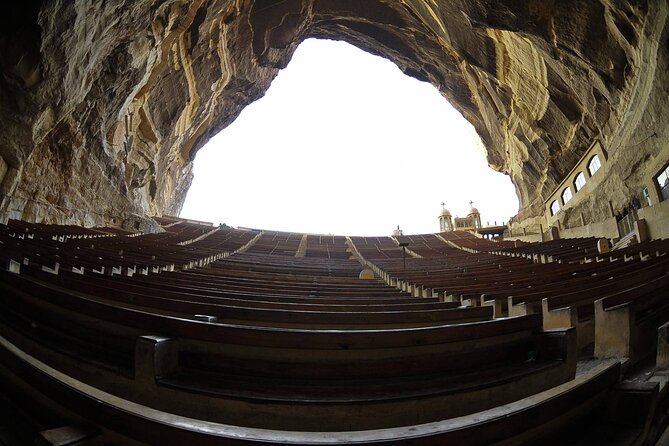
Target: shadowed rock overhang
<point x="104" y="104"/>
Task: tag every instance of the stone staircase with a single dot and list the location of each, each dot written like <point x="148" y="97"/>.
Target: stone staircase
<point x="302" y="249"/>
<point x="624" y="242"/>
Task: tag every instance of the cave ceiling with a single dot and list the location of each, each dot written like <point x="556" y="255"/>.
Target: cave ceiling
<point x="105" y="103"/>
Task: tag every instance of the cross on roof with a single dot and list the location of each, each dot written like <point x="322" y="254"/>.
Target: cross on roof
<point x="443" y="205"/>
<point x="471" y="203"/>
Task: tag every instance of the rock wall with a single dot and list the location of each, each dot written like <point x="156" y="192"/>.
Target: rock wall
<point x="105" y="103"/>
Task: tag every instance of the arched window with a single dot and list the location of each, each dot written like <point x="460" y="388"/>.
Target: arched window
<point x="555" y="207"/>
<point x="566" y="195"/>
<point x="594" y="165"/>
<point x="579" y="182"/>
<point x="663" y="183"/>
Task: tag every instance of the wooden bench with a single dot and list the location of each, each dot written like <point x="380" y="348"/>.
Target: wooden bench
<point x="528" y="300"/>
<point x="531" y="420"/>
<point x="626" y="323"/>
<point x="577" y="308"/>
<point x="429" y="372"/>
<point x="291" y="315"/>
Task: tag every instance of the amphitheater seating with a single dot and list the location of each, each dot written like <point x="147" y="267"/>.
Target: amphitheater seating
<point x="126" y="255"/>
<point x="531" y="420"/>
<point x="564" y="292"/>
<point x="589" y="276"/>
<point x="267" y="336"/>
<point x="626" y="322"/>
<point x="225" y="240"/>
<point x="277" y="243"/>
<point x="327" y="246"/>
<point x="377" y="247"/>
<point x="219" y="371"/>
<point x="18" y="227"/>
<point x="187" y="301"/>
<point x="566" y="308"/>
<point x="472" y="243"/>
<point x="563" y="250"/>
<point x="642" y="251"/>
<point x="425" y="245"/>
<point x="463" y="274"/>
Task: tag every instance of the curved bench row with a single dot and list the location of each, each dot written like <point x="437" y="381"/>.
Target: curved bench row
<point x="530" y="420"/>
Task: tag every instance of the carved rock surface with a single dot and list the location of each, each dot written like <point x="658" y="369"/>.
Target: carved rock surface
<point x="105" y="103"/>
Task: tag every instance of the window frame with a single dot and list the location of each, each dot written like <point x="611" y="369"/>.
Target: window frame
<point x="592" y="162"/>
<point x="580" y="175"/>
<point x="555" y="207"/>
<point x="662" y="189"/>
<point x="566" y="191"/>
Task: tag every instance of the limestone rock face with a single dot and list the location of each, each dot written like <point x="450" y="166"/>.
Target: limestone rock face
<point x="104" y="104"/>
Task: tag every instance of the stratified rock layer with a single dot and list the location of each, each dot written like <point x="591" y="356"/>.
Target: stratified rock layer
<point x="106" y="103"/>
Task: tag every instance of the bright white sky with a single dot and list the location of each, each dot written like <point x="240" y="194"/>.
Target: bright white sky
<point x="345" y="143"/>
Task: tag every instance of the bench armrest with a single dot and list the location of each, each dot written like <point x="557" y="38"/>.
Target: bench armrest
<point x="558" y="344"/>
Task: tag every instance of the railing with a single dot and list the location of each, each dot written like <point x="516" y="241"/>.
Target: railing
<point x="626" y="224"/>
<point x="520" y="232"/>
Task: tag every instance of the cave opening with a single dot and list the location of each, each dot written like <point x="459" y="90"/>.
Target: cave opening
<point x="343" y="142"/>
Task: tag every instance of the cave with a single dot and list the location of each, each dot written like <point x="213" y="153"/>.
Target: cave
<point x="114" y="100"/>
<point x="124" y="324"/>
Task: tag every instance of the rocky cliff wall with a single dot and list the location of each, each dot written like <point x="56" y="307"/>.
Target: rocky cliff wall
<point x="105" y="103"/>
